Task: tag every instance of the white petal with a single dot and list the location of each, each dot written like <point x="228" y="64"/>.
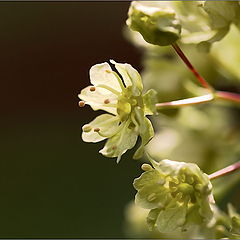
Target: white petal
<point x="117" y="145"/>
<point x="101" y="74"/>
<point x="107" y="125"/>
<point x="130" y="76"/>
<point x="96" y="99"/>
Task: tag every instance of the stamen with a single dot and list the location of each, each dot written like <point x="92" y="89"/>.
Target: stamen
<point x="114" y="147"/>
<point x="96" y="129"/>
<point x="109" y="89"/>
<point x="106" y="101"/>
<point x="86" y="128"/>
<point x="92" y="88"/>
<point x="81" y="103"/>
<point x="108" y="71"/>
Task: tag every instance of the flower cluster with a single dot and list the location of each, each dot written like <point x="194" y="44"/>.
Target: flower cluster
<point x="178" y="195"/>
<point x="121" y="96"/>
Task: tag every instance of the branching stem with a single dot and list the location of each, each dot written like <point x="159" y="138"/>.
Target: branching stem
<point x="180" y="53"/>
<point x="227" y="170"/>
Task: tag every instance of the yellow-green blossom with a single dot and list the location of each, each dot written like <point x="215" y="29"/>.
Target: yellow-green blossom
<point x="120" y="96"/>
<point x="178" y="195"/>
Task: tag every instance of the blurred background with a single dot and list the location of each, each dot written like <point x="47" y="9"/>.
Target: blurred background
<point x="52" y="184"/>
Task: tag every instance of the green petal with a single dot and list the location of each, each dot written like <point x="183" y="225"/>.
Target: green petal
<point x="171" y="219"/>
<point x="151" y="191"/>
<point x="96" y="99"/>
<point x="156" y="22"/>
<point x="149" y="101"/>
<point x="145" y="130"/>
<point x="117" y="145"/>
<point x="108" y="126"/>
<point x="130" y="76"/>
<point x="152" y="218"/>
<point x="102" y="74"/>
<point x="221" y="13"/>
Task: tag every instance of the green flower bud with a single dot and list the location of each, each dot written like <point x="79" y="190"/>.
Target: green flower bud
<point x="157" y="24"/>
<point x="178" y="194"/>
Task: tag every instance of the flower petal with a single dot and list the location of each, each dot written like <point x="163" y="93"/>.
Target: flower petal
<point x="117" y="145"/>
<point x="106" y="126"/>
<point x="102" y="74"/>
<point x="145" y="130"/>
<point x="130" y="76"/>
<point x="97" y="98"/>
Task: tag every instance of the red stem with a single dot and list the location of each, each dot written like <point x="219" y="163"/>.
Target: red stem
<point x="225" y="171"/>
<point x="190" y="66"/>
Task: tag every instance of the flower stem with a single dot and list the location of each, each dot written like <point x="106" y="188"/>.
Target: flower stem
<point x="180" y="53"/>
<point x="234" y="97"/>
<point x="187" y="101"/>
<point x="225" y="171"/>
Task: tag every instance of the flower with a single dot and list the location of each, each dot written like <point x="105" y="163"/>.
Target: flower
<point x="127" y="108"/>
<point x="178" y="194"/>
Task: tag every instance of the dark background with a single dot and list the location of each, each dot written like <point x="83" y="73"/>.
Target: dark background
<point x="51" y="183"/>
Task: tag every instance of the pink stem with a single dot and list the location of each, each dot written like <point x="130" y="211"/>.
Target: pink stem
<point x="225" y="171"/>
<point x="234" y="97"/>
<point x="188" y="101"/>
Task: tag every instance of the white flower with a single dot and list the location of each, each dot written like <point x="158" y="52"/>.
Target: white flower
<point x="126" y="106"/>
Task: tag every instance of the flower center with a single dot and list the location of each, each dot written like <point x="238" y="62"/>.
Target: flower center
<point x="126" y="103"/>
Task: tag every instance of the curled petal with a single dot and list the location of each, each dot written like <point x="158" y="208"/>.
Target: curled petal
<point x="101" y="127"/>
<point x="130" y="76"/>
<point x="97" y="99"/>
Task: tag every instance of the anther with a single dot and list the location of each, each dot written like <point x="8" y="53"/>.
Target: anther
<point x="96" y="129"/>
<point x="86" y="128"/>
<point x="108" y="71"/>
<point x="81" y="103"/>
<point x="146" y="167"/>
<point x="114" y="147"/>
<point x="92" y="88"/>
<point x="106" y="101"/>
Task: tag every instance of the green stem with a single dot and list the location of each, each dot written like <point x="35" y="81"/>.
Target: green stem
<point x="227" y="170"/>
